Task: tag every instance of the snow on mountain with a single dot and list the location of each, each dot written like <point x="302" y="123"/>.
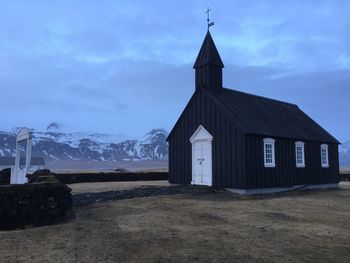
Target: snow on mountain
<point x="344" y="154"/>
<point x="153" y="145"/>
<point x="55" y="144"/>
<point x="344" y="147"/>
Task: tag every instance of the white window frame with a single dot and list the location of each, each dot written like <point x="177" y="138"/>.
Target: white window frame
<point x="269" y="141"/>
<point x="324" y="164"/>
<point x="302" y="145"/>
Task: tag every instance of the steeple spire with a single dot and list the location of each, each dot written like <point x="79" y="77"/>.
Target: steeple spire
<point x="208" y="65"/>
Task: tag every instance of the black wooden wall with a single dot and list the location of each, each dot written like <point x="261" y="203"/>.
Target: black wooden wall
<point x="228" y="154"/>
<point x="238" y="159"/>
<point x="286" y="173"/>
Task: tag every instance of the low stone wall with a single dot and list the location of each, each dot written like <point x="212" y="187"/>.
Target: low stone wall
<point x="345" y="177"/>
<point x="5" y="176"/>
<point x="36" y="204"/>
<point x="110" y="177"/>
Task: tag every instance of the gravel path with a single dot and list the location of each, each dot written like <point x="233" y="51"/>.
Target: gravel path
<point x="86" y="198"/>
<point x="90" y="198"/>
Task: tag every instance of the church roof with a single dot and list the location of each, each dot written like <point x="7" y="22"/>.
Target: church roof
<point x="264" y="116"/>
<point x="268" y="117"/>
<point x="208" y="54"/>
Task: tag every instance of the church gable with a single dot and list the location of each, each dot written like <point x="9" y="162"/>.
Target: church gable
<point x="203" y="108"/>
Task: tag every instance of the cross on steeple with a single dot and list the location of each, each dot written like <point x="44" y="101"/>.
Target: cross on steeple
<point x="208" y="19"/>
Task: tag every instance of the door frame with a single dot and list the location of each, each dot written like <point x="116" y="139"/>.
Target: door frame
<point x="201" y="135"/>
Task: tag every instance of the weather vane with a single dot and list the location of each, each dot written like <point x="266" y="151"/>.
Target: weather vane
<point x="208" y="20"/>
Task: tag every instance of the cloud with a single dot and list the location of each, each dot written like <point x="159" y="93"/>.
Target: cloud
<point x="126" y="66"/>
<point x="324" y="95"/>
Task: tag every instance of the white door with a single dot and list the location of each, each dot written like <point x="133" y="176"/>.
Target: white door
<point x="201" y="157"/>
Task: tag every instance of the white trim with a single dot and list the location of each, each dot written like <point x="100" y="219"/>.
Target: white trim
<point x="206" y="136"/>
<point x="269" y="141"/>
<point x="200" y="137"/>
<point x="302" y="145"/>
<point x="326" y="164"/>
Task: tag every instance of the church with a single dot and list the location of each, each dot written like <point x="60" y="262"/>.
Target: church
<point x="246" y="143"/>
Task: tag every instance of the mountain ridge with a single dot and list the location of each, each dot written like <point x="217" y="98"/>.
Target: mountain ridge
<point x="55" y="144"/>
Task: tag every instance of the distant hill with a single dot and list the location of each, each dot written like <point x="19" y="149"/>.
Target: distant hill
<point x="54" y="145"/>
<point x="344" y="154"/>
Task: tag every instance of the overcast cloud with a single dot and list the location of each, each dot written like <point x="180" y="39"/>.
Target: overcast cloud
<point x="126" y="66"/>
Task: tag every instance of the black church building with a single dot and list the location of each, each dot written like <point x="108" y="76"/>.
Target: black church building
<point x="231" y="139"/>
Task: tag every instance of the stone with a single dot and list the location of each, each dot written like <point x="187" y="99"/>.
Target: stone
<point x="34" y="204"/>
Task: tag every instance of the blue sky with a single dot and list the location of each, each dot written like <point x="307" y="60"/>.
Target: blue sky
<point x="125" y="67"/>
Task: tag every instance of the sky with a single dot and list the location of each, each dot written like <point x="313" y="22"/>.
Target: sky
<point x="125" y="67"/>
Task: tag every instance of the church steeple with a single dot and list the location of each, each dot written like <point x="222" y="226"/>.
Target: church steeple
<point x="208" y="66"/>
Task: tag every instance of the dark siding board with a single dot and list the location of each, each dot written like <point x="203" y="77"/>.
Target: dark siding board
<point x="243" y="158"/>
<point x="218" y="148"/>
<point x="189" y="149"/>
<point x="225" y="174"/>
<point x="182" y="155"/>
<point x="170" y="161"/>
<point x="240" y="153"/>
<point x="225" y="146"/>
<point x="286" y="174"/>
<point x="228" y="162"/>
<point x="230" y="157"/>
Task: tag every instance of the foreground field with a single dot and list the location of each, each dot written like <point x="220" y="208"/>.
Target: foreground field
<point x="112" y="186"/>
<point x="345" y="171"/>
<point x="312" y="226"/>
<point x="74" y="166"/>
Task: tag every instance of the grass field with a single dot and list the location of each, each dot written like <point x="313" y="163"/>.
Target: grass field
<point x="310" y="226"/>
<point x="345" y="170"/>
<point x="105" y="166"/>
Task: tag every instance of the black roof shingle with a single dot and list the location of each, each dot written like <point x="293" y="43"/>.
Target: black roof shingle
<point x="268" y="117"/>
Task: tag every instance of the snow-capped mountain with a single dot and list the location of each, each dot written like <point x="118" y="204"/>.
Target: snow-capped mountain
<point x="344" y="154"/>
<point x="55" y="144"/>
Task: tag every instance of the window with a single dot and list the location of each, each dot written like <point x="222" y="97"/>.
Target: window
<point x="300" y="154"/>
<point x="269" y="152"/>
<point x="324" y="156"/>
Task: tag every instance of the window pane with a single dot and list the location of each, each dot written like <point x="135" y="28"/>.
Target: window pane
<point x="299" y="155"/>
<point x="269" y="153"/>
<point x="324" y="156"/>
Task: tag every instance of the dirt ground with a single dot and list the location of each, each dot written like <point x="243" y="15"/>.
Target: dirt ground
<point x="309" y="226"/>
<point x="112" y="186"/>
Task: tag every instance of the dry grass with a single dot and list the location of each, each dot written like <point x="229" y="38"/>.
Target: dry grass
<point x="159" y="170"/>
<point x="312" y="226"/>
<point x="345" y="170"/>
<point x="104" y="166"/>
<point x="112" y="186"/>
